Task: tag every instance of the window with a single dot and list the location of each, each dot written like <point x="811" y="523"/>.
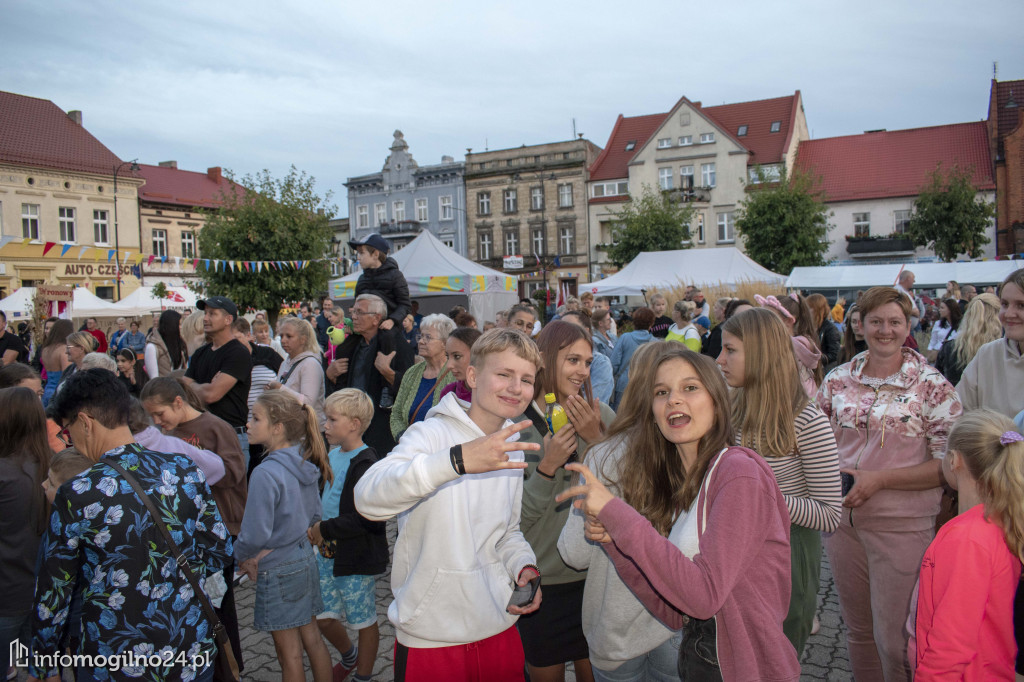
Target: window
<point x="483" y="242"/>
<point x="665" y="178"/>
<point x="901" y="221"/>
<point x="538" y="242"/>
<point x="776" y="126"/>
<point x="483" y="202"/>
<point x="565" y="196"/>
<point x="106" y="293"/>
<point x="188" y="244"/>
<point x="741" y="131"/>
<point x="510" y="201"/>
<point x="726" y="227"/>
<point x="362" y="216"/>
<point x="686" y="140"/>
<point x="334" y="268"/>
<point x="707" y="174"/>
<point x="380" y="214"/>
<point x="707" y="138"/>
<point x="665" y="143"/>
<point x="160" y="243"/>
<point x="512" y="243"/>
<point x="422" y="210"/>
<point x="566" y="240"/>
<point x="450" y="243"/>
<point x="686" y="177"/>
<point x="770" y="173"/>
<point x="445" y="207"/>
<point x="99" y="227"/>
<point x="700" y="228"/>
<point x="684" y="118"/>
<point x="609" y="189"/>
<point x="30" y="221"/>
<point x="631" y="145"/>
<point x="398" y="209"/>
<point x="861" y="224"/>
<point x="67" y="224"/>
<point x="536" y="198"/>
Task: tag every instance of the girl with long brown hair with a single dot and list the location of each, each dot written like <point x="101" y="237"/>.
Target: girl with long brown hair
<point x="796" y="315"/>
<point x="775" y="418"/>
<point x="701" y="534"/>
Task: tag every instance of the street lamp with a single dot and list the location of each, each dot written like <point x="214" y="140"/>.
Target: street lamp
<point x="134" y="166"/>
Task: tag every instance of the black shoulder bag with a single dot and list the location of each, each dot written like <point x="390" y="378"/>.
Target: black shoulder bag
<point x="225" y="665"/>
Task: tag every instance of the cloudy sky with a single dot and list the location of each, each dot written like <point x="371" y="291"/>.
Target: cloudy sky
<point x="323" y="84"/>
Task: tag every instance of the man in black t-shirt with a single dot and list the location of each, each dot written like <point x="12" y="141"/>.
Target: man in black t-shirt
<point x="12" y="349"/>
<point x="219" y="372"/>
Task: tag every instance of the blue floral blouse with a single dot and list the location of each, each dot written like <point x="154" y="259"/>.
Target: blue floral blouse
<point x="101" y="537"/>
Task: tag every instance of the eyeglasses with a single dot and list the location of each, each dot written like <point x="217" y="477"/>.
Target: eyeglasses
<point x="65" y="435"/>
<point x="426" y="338"/>
<point x="361" y="313"/>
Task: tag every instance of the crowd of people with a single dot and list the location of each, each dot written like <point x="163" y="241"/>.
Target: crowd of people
<point x="667" y="521"/>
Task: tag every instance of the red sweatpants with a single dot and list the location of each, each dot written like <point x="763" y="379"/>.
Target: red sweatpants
<point x="495" y="659"/>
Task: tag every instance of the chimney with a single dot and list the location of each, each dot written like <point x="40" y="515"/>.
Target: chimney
<point x="214" y="173"/>
<point x="169" y="164"/>
<point x="76" y="116"/>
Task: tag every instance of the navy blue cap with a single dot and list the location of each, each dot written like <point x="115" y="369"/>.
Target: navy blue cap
<point x="374" y="241"/>
<point x="222" y="302"/>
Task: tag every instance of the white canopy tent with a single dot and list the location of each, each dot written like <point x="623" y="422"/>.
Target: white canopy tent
<point x="433" y="269"/>
<point x="84" y="303"/>
<point x="142" y="301"/>
<point x="926" y="275"/>
<point x="667" y="269"/>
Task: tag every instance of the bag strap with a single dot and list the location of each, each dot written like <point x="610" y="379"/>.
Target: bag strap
<point x="432" y="391"/>
<point x="288" y="374"/>
<point x="179" y="557"/>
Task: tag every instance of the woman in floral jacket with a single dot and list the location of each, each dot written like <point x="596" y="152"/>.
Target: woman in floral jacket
<point x="891" y="413"/>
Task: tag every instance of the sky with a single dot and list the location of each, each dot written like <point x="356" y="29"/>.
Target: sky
<point x="323" y="84"/>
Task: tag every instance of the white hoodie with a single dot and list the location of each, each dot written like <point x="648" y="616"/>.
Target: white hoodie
<point x="459" y="547"/>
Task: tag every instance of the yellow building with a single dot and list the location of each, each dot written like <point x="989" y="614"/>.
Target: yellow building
<point x="58" y="221"/>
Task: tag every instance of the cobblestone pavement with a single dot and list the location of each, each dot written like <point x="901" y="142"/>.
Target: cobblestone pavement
<point x="825" y="657"/>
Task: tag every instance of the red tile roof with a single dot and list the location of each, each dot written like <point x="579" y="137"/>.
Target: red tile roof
<point x="36" y="132"/>
<point x="896" y="163"/>
<point x="182" y="187"/>
<point x="613" y="161"/>
<point x="764" y="145"/>
<point x="1008" y="119"/>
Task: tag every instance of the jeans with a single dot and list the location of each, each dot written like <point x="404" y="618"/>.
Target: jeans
<point x="243" y="440"/>
<point x="12" y="628"/>
<point x="657" y="665"/>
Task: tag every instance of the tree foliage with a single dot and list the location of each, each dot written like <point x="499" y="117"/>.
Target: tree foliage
<point x="784" y="224"/>
<point x="949" y="217"/>
<point x="268" y="219"/>
<point x="655" y="222"/>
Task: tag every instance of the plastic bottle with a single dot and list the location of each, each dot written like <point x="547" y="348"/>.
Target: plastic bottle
<point x="556" y="416"/>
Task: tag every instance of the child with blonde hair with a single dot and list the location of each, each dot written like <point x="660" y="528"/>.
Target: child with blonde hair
<point x="971" y="570"/>
<point x="351" y="549"/>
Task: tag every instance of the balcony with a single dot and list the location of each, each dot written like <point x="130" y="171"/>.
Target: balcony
<point x="397" y="228"/>
<point x="874" y="247"/>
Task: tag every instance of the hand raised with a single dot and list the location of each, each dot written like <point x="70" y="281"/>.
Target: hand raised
<point x="490" y="453"/>
<point x="585" y="417"/>
<point x="592" y="493"/>
<point x="557" y="450"/>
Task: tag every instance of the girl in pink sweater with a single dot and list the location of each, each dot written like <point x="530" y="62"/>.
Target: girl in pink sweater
<point x="702" y="534"/>
<point x="971" y="570"/>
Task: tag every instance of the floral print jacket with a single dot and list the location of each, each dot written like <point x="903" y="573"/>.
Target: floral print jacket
<point x="904" y="423"/>
<point x="102" y="538"/>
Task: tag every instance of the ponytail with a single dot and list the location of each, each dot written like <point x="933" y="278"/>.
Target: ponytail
<point x="315" y="450"/>
<point x="993" y="452"/>
<point x="300" y="424"/>
<point x="165" y="389"/>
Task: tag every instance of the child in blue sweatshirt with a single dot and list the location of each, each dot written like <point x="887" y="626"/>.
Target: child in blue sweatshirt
<point x="359" y="546"/>
<point x="272" y="547"/>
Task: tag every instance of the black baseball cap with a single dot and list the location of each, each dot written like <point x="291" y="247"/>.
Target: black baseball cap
<point x="374" y="241"/>
<point x="222" y="302"/>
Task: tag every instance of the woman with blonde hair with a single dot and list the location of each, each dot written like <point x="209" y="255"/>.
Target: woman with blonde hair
<point x="682" y="329"/>
<point x="970" y="572"/>
<point x="980" y="325"/>
<point x="775" y="418"/>
<point x="302" y="373"/>
<point x="192" y="332"/>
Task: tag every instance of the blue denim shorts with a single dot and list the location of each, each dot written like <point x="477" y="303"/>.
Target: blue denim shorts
<point x="288" y="595"/>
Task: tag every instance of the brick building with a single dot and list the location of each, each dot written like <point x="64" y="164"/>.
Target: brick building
<point x="1006" y="145"/>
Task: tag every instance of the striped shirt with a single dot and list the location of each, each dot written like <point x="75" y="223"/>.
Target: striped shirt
<point x="810" y="481"/>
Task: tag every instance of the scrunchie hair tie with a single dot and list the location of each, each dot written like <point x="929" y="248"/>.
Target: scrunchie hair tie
<point x="1010" y="437"/>
<point x="795" y="296"/>
<point x="772" y="302"/>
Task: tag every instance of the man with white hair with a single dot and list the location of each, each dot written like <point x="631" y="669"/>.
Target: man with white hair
<point x="905" y="286"/>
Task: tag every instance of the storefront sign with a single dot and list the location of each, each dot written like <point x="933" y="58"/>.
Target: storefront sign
<point x="513" y="262"/>
<point x="80" y="269"/>
<point x="54" y="292"/>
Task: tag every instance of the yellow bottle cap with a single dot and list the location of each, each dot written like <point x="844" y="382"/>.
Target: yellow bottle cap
<point x="549" y="398"/>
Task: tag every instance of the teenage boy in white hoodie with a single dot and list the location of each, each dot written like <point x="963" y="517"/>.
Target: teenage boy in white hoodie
<point x="455" y="481"/>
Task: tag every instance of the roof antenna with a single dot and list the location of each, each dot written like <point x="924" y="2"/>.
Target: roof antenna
<point x="995" y="71"/>
<point x="574" y="128"/>
<point x="486" y="148"/>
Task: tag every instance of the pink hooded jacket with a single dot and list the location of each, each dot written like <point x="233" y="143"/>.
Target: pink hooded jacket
<point x="807" y="358"/>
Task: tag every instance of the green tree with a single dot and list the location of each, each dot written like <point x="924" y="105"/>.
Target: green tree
<point x="656" y="221"/>
<point x="949" y="217"/>
<point x="784" y="224"/>
<point x="268" y="219"/>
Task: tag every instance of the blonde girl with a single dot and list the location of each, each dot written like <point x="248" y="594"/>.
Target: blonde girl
<point x="775" y="418"/>
<point x="971" y="570"/>
<point x="682" y="329"/>
<point x="273" y="549"/>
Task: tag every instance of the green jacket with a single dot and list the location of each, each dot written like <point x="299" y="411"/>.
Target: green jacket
<point x="542" y="518"/>
<point x="407" y="392"/>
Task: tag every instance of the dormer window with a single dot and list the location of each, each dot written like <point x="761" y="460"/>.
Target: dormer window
<point x="776" y="126"/>
<point x="631" y="145"/>
<point x="741" y="131"/>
